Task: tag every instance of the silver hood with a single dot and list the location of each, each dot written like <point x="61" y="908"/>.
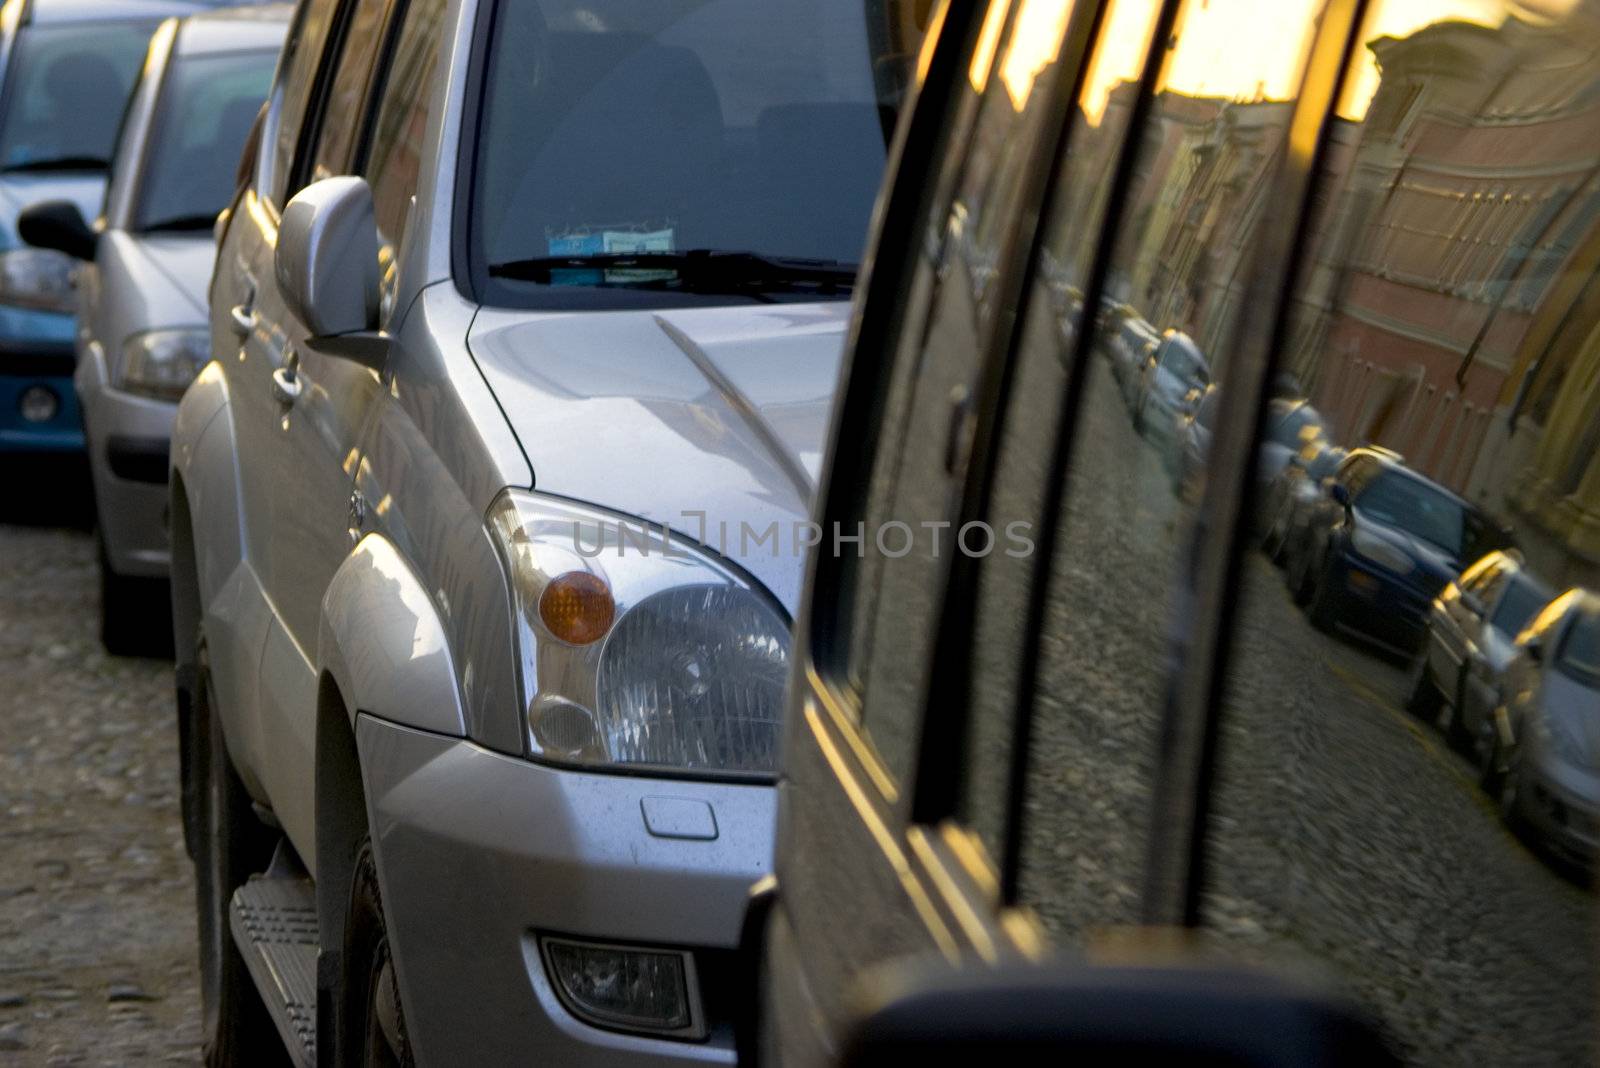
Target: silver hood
<point x="665" y="414"/>
<point x="19" y="191"/>
<point x="174" y="273"/>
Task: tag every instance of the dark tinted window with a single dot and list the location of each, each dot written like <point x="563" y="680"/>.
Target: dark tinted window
<point x="297" y="73"/>
<point x="613" y="126"/>
<point x="1580" y="651"/>
<point x="1521" y="602"/>
<point x="344" y="112"/>
<point x="65" y="92"/>
<point x="207" y="107"/>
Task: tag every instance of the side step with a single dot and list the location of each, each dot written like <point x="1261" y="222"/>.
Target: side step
<point x="274" y="923"/>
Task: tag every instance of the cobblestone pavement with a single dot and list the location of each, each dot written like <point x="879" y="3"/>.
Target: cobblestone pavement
<point x="97" y="954"/>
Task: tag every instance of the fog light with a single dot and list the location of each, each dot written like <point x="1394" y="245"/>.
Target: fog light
<point x="39" y="404"/>
<point x="626" y="988"/>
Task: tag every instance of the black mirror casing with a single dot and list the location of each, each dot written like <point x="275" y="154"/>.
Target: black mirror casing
<point x="1112" y="1017"/>
<point x="1339" y="493"/>
<point x="58" y="225"/>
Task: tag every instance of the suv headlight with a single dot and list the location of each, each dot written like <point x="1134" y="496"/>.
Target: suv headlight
<point x="637" y="648"/>
<point x="39" y="278"/>
<point x="1382" y="553"/>
<point x="162" y="363"/>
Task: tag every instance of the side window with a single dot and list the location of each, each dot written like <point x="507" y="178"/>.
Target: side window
<point x="1111" y="531"/>
<point x="1377" y="835"/>
<point x="394" y="163"/>
<point x="898" y="573"/>
<point x="344" y="110"/>
<point x="297" y="72"/>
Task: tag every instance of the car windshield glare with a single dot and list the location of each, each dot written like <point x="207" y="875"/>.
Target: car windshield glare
<point x="207" y="107"/>
<point x="1416" y="508"/>
<point x="64" y="94"/>
<point x="612" y="128"/>
<point x="1580" y="652"/>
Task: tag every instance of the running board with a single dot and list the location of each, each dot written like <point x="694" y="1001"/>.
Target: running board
<point x="274" y="924"/>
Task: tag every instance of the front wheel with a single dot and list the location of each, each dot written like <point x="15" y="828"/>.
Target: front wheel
<point x="135" y="612"/>
<point x="231" y="845"/>
<point x="1424" y="699"/>
<point x="372" y="1025"/>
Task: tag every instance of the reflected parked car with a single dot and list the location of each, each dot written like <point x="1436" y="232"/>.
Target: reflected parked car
<point x="1167" y="381"/>
<point x="1192" y="441"/>
<point x="1378" y="546"/>
<point x="1285" y="501"/>
<point x="69" y="66"/>
<point x="1471" y="639"/>
<point x="1293" y="426"/>
<point x="1540" y="754"/>
<point x="142" y="285"/>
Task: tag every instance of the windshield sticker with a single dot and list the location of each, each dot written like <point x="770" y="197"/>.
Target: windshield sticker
<point x="611" y="241"/>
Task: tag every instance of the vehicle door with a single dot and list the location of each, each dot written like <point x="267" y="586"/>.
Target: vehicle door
<point x="318" y="408"/>
<point x="971" y="774"/>
<point x="251" y="350"/>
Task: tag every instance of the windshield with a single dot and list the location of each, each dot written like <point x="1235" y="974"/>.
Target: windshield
<point x="1516" y="609"/>
<point x="1580" y="653"/>
<point x="615" y="128"/>
<point x="66" y="92"/>
<point x="207" y="107"/>
<point x="1416" y="508"/>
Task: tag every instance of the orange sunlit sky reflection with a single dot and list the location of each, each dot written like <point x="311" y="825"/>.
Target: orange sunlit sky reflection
<point x="1254" y="49"/>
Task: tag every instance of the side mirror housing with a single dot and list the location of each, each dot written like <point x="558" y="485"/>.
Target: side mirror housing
<point x="58" y="225"/>
<point x="1339" y="493"/>
<point x="327" y="258"/>
<point x="1032" y="1015"/>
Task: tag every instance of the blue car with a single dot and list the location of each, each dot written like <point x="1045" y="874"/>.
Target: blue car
<point x="68" y="67"/>
<point x="1378" y="545"/>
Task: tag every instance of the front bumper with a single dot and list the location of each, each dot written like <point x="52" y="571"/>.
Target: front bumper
<point x="480" y="853"/>
<point x="1377" y="606"/>
<point x="44" y="365"/>
<point x="129" y="438"/>
<point x="1563" y="816"/>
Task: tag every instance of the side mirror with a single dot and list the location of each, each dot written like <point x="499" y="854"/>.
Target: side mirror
<point x="327" y="261"/>
<point x="1340" y="494"/>
<point x="1049" y="1015"/>
<point x="59" y="225"/>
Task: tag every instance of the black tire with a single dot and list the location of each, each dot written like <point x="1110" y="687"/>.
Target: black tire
<point x="1455" y="731"/>
<point x="372" y="1025"/>
<point x="1323" y="609"/>
<point x="135" y="612"/>
<point x="231" y="846"/>
<point x="1490" y="773"/>
<point x="1424" y="700"/>
<point x="1297" y="575"/>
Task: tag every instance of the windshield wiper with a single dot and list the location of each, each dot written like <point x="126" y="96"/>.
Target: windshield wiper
<point x="181" y="224"/>
<point x="58" y="163"/>
<point x="698" y="270"/>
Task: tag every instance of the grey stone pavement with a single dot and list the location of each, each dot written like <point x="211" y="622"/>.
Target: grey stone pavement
<point x="97" y="951"/>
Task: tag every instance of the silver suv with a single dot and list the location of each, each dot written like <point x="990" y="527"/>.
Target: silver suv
<point x="488" y="516"/>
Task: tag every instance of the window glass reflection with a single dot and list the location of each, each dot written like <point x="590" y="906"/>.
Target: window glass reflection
<point x="1409" y="779"/>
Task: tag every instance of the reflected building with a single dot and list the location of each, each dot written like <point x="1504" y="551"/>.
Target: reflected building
<point x="1453" y="315"/>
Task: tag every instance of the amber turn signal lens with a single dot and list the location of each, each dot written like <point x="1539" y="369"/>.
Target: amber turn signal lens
<point x="577" y="607"/>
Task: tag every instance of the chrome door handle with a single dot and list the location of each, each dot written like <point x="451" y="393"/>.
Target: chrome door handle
<point x="286" y="384"/>
<point x="244" y="320"/>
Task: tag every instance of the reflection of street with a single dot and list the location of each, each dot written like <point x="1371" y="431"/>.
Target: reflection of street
<point x="1346" y="833"/>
